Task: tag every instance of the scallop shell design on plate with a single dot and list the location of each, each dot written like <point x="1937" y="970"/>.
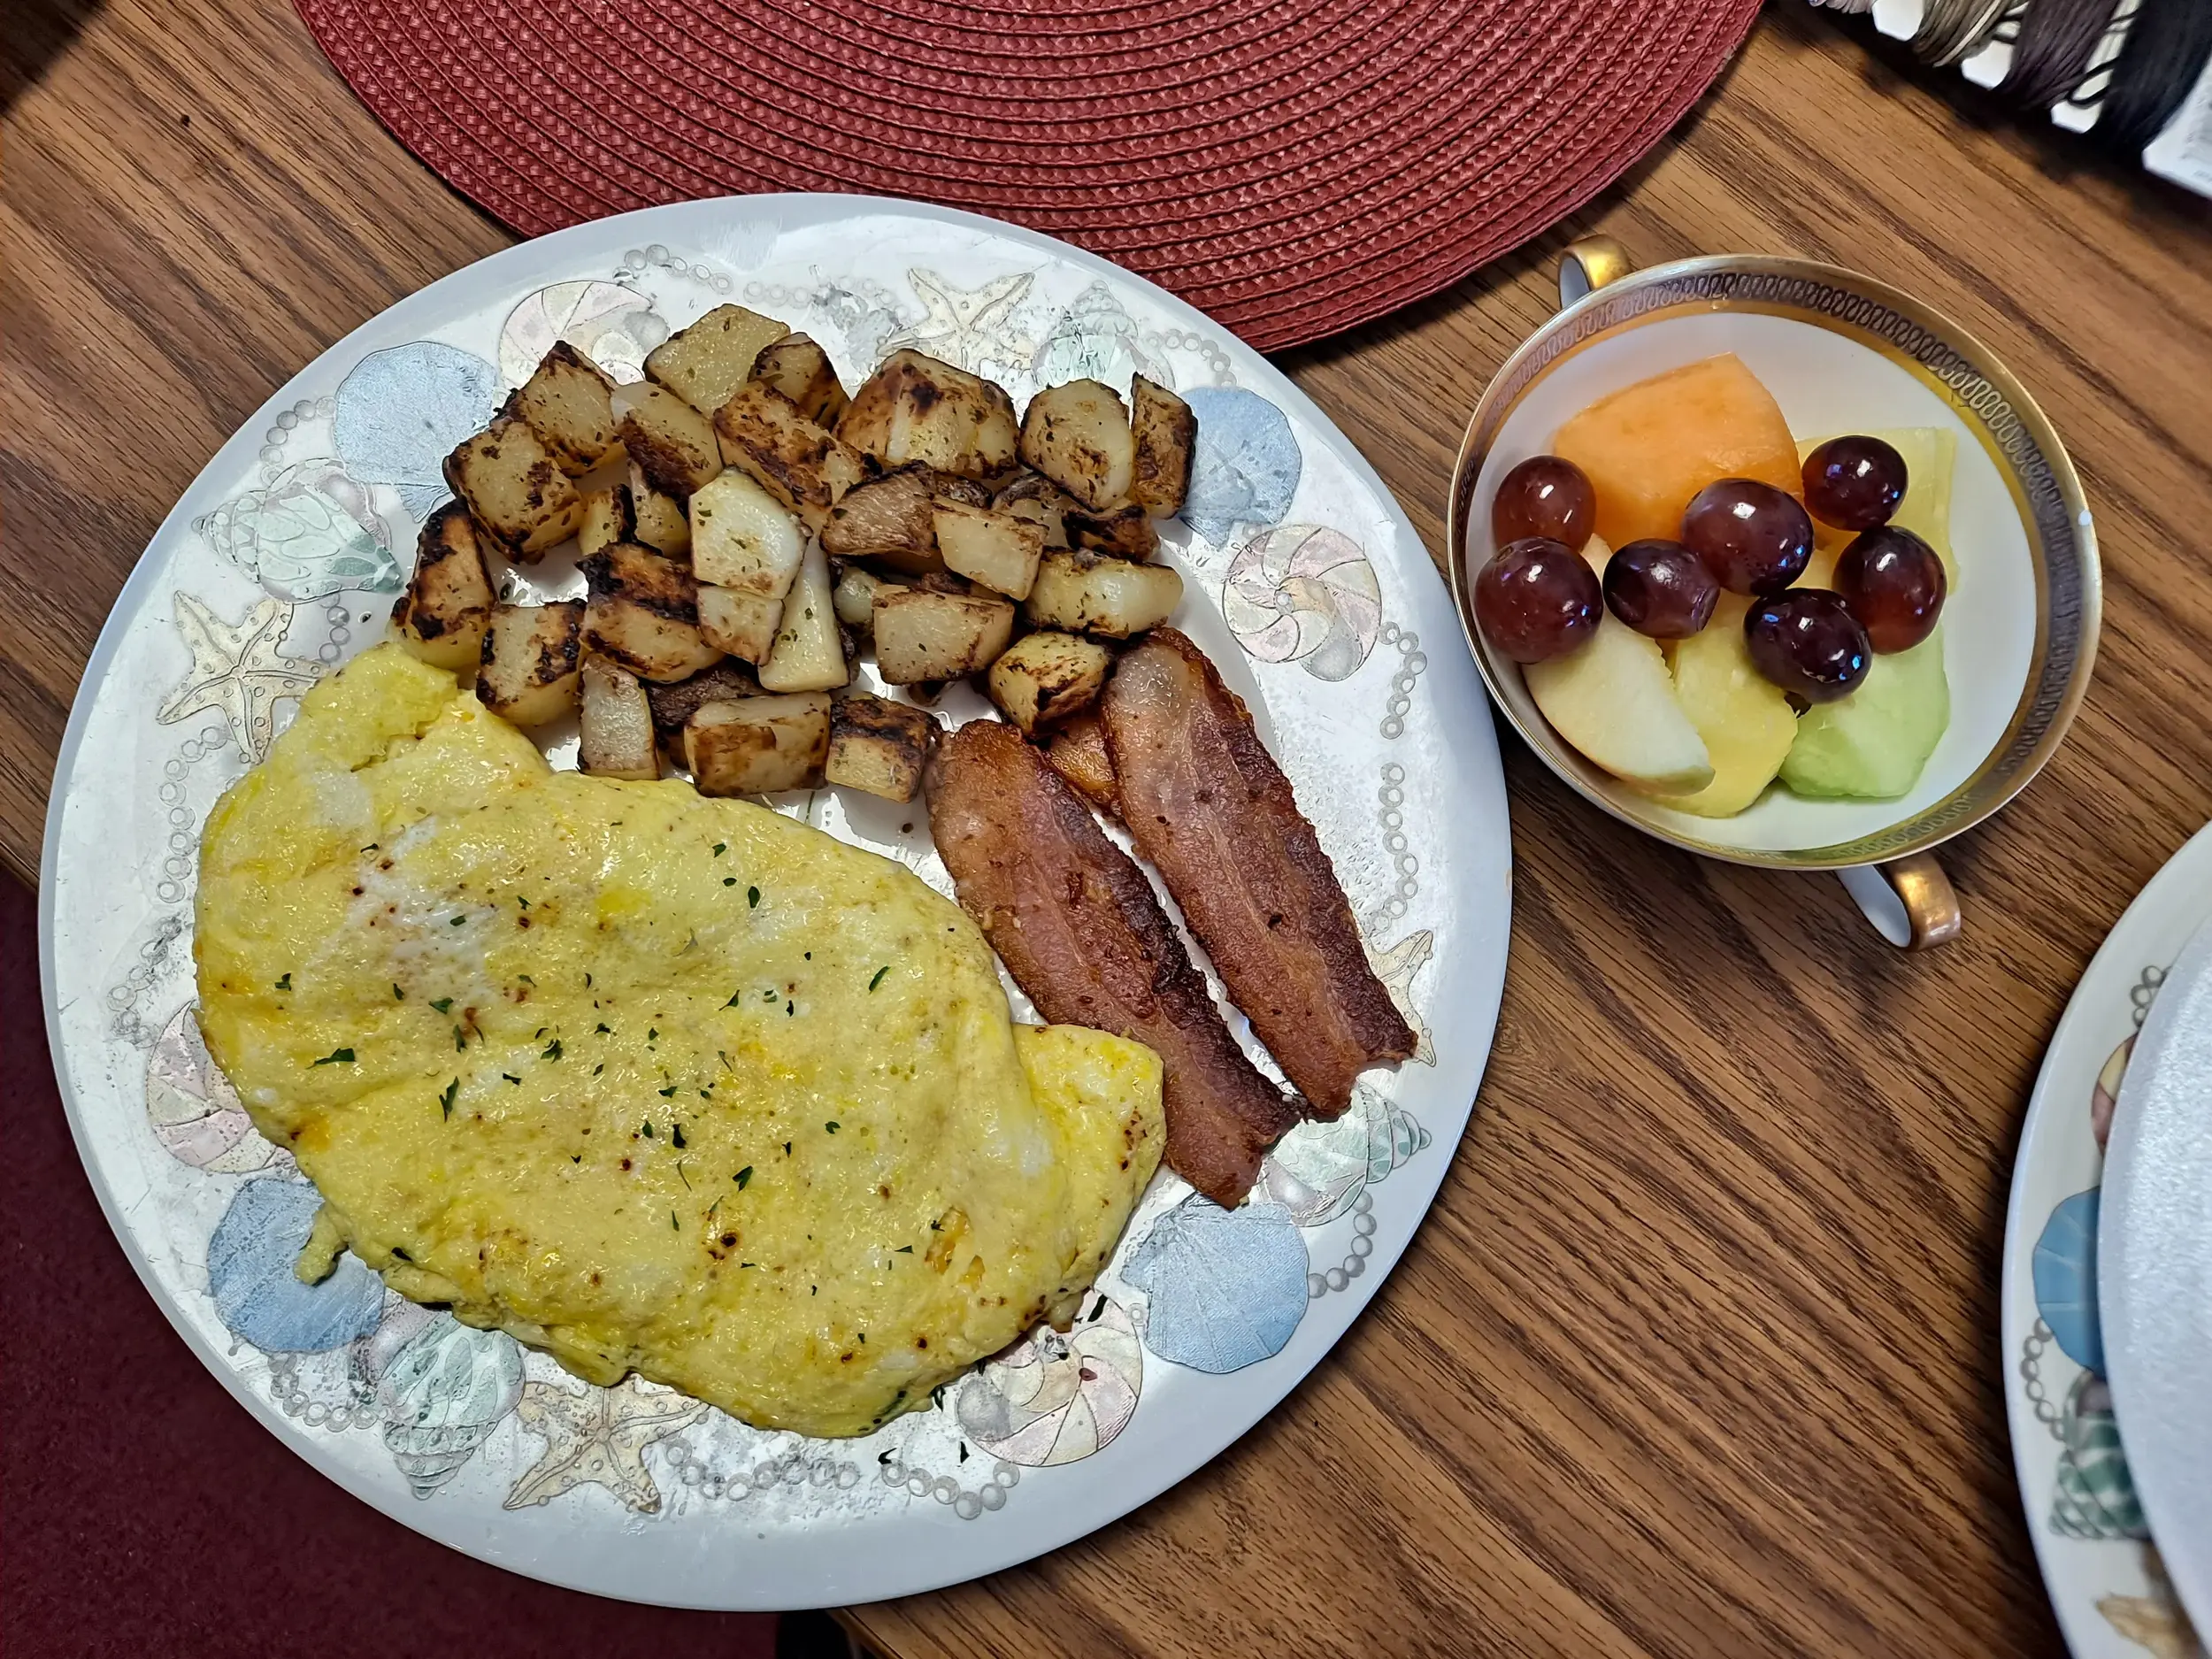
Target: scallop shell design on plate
<point x="249" y="1258"/>
<point x="1226" y="1287"/>
<point x="195" y="1112"/>
<point x="1246" y="464"/>
<point x="613" y="325"/>
<point x="2065" y="1273"/>
<point x="1306" y="594"/>
<point x="443" y="1388"/>
<point x="311" y="534"/>
<point x="1319" y="1170"/>
<point x="2104" y="1099"/>
<point x="1054" y="1399"/>
<point x="400" y="412"/>
<point x="2095" y="1494"/>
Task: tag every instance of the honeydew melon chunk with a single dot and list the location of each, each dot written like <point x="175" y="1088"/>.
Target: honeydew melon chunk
<point x="1872" y="744"/>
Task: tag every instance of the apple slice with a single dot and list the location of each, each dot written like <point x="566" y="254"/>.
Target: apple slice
<point x="1746" y="721"/>
<point x="1614" y="700"/>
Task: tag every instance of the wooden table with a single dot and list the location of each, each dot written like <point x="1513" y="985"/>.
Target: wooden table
<point x="1697" y="1352"/>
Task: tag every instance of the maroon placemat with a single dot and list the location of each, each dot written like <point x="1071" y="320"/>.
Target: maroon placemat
<point x="1292" y="167"/>
<point x="146" y="1514"/>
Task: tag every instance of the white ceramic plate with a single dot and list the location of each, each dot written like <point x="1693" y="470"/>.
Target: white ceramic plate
<point x="1305" y="581"/>
<point x="2107" y="1582"/>
<point x="2154" y="1269"/>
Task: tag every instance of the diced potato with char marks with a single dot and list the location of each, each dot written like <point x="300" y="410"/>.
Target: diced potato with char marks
<point x="996" y="548"/>
<point x="802" y="465"/>
<point x="878" y="746"/>
<point x="672" y="443"/>
<point x="706" y="362"/>
<point x="527" y="670"/>
<point x="1043" y="677"/>
<point x="1033" y="496"/>
<point x="921" y="636"/>
<point x="808" y="653"/>
<point x="743" y="537"/>
<point x="617" y="723"/>
<point x="610" y="516"/>
<point x="915" y="408"/>
<point x="801" y="370"/>
<point x="566" y="402"/>
<point x="447" y="605"/>
<point x="1166" y="431"/>
<point x="1126" y="530"/>
<point x="644" y="613"/>
<point x="659" y="519"/>
<point x="998" y="439"/>
<point x="516" y="494"/>
<point x="892" y="520"/>
<point x="1096" y="593"/>
<point x="673" y="704"/>
<point x="1078" y="752"/>
<point x="1077" y="436"/>
<point x="744" y="625"/>
<point x="760" y="745"/>
<point x="854" y="597"/>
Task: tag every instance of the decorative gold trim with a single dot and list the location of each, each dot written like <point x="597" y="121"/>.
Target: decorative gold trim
<point x="1959" y="368"/>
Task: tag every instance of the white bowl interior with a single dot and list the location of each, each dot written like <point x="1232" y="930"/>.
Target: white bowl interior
<point x="1827" y="383"/>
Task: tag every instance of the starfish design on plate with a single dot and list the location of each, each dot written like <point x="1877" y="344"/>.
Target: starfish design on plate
<point x="597" y="1438"/>
<point x="1395" y="968"/>
<point x="962" y="325"/>
<point x="238" y="671"/>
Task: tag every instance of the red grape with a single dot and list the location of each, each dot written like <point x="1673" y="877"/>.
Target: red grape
<point x="1661" y="588"/>
<point x="1537" y="600"/>
<point x="1894" y="584"/>
<point x="1545" y="496"/>
<point x="1807" y="642"/>
<point x="1754" y="537"/>
<point x="1854" y="483"/>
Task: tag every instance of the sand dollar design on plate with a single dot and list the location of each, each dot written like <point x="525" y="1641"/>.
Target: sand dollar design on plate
<point x="311" y="534"/>
<point x="1245" y="466"/>
<point x="1304" y="593"/>
<point x="613" y="325"/>
<point x="249" y="1258"/>
<point x="1226" y="1288"/>
<point x="1319" y="1170"/>
<point x="442" y="1387"/>
<point x="402" y="410"/>
<point x="1052" y="1399"/>
<point x="195" y="1112"/>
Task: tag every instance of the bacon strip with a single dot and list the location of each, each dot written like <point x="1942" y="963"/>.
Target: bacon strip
<point x="1077" y="925"/>
<point x="1206" y="803"/>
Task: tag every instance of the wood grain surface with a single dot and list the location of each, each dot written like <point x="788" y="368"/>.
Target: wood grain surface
<point x="1697" y="1353"/>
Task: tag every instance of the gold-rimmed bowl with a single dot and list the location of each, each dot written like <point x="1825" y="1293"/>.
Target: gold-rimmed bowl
<point x="1841" y="353"/>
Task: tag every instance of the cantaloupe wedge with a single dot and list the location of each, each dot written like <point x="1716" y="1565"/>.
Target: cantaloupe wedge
<point x="1930" y="454"/>
<point x="1650" y="447"/>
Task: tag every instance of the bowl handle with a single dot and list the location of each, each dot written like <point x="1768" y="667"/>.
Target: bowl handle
<point x="1910" y="901"/>
<point x="1590" y="263"/>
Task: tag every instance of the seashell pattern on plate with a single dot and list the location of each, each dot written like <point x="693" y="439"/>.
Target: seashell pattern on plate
<point x="194" y="1112"/>
<point x="1054" y="1398"/>
<point x="612" y="325"/>
<point x="1304" y="593"/>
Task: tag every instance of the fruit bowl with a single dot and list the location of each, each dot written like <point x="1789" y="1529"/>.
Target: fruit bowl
<point x="1840" y="353"/>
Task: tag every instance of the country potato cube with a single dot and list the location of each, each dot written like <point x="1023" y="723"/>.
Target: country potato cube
<point x="1126" y="530"/>
<point x="566" y="402"/>
<point x="1166" y="431"/>
<point x="608" y="516"/>
<point x="801" y="370"/>
<point x="1033" y="496"/>
<point x="809" y="652"/>
<point x="998" y="550"/>
<point x="1043" y="677"/>
<point x="894" y="520"/>
<point x="704" y="364"/>
<point x="914" y="408"/>
<point x="743" y="537"/>
<point x="518" y="495"/>
<point x="617" y="723"/>
<point x="660" y="519"/>
<point x="803" y="465"/>
<point x="675" y="703"/>
<point x="644" y="613"/>
<point x="760" y="745"/>
<point x="854" y="597"/>
<point x="742" y="623"/>
<point x="447" y="605"/>
<point x="1077" y="436"/>
<point x="1096" y="593"/>
<point x="923" y="636"/>
<point x="670" y="443"/>
<point x="878" y="746"/>
<point x="527" y="670"/>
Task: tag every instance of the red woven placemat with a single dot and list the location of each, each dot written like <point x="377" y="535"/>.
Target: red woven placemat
<point x="1291" y="167"/>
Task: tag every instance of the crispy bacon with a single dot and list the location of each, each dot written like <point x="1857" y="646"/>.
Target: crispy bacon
<point x="1077" y="925"/>
<point x="1206" y="803"/>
